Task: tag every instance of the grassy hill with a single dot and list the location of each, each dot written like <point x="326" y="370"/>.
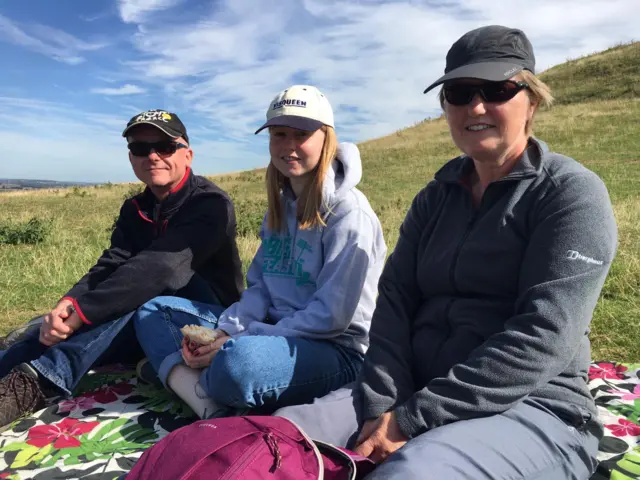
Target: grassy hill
<point x="596" y="120"/>
<point x="612" y="74"/>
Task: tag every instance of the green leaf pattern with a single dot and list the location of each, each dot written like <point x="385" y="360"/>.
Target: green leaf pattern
<point x="118" y="435"/>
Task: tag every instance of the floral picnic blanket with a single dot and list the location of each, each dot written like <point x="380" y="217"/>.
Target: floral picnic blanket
<point x="98" y="434"/>
<point x="616" y="389"/>
<point x="101" y="432"/>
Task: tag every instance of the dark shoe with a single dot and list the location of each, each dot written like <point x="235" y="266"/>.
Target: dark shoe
<point x="20" y="395"/>
<point x="147" y="374"/>
<point x="21" y="333"/>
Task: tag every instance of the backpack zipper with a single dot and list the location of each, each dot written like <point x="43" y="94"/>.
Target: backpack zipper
<point x="248" y="455"/>
<point x="313" y="445"/>
<point x="340" y="453"/>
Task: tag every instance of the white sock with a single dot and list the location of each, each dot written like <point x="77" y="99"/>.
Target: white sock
<point x="185" y="382"/>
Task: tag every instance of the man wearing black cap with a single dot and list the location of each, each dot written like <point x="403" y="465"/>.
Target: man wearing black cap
<point x="176" y="238"/>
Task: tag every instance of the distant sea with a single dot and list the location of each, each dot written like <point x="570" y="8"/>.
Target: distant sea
<point x="21" y="184"/>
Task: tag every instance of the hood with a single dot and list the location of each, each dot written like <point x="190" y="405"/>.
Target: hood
<point x="345" y="173"/>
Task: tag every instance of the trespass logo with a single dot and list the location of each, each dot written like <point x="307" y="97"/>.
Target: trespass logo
<point x="289" y="102"/>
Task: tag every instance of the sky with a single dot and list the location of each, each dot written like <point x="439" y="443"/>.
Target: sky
<point x="73" y="72"/>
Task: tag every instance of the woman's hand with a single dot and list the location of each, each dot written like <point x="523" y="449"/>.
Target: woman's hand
<point x="380" y="438"/>
<point x="201" y="356"/>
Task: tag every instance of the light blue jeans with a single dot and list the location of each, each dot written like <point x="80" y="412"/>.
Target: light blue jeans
<point x="527" y="442"/>
<point x="257" y="372"/>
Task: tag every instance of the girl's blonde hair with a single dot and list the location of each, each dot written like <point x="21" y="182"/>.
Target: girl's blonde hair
<point x="538" y="91"/>
<point x="310" y="201"/>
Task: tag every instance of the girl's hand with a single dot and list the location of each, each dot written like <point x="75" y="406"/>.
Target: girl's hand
<point x="201" y="356"/>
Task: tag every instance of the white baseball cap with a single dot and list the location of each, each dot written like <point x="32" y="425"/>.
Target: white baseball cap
<point x="301" y="106"/>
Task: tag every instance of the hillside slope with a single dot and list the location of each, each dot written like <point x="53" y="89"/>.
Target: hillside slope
<point x="608" y="75"/>
<point x="598" y="126"/>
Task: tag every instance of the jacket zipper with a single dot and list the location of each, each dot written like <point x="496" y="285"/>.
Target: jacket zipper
<point x="454" y="263"/>
<point x="470" y="223"/>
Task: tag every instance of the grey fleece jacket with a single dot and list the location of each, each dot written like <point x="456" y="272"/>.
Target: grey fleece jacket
<point x="481" y="308"/>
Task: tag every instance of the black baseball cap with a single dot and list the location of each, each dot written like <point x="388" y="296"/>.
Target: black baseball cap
<point x="492" y="53"/>
<point x="167" y="122"/>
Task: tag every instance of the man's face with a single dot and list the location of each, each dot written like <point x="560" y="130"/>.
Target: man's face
<point x="161" y="172"/>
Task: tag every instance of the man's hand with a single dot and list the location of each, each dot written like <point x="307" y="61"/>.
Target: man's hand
<point x="201" y="357"/>
<point x="74" y="321"/>
<point x="59" y="324"/>
<point x="380" y="438"/>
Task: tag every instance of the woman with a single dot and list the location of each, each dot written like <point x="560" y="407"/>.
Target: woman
<point x="311" y="286"/>
<point x="479" y="348"/>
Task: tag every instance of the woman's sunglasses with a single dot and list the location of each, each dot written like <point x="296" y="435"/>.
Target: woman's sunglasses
<point x="165" y="147"/>
<point x="493" y="92"/>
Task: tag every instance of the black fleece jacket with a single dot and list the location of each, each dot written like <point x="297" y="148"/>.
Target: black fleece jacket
<point x="157" y="247"/>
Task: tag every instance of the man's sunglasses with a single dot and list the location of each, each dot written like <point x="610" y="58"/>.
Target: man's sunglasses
<point x="165" y="147"/>
<point x="493" y="92"/>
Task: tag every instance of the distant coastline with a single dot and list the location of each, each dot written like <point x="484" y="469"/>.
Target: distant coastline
<point x="12" y="184"/>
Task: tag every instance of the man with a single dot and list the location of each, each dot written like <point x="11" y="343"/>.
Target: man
<point x="176" y="238"/>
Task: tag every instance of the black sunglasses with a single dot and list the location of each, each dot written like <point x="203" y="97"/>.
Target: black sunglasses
<point x="493" y="92"/>
<point x="165" y="147"/>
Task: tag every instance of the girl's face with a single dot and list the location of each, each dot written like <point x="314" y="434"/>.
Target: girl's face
<point x="295" y="153"/>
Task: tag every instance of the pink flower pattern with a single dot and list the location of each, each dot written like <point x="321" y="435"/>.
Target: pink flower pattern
<point x="78" y="403"/>
<point x="62" y="434"/>
<point x="607" y="370"/>
<point x="628" y="396"/>
<point x="109" y="393"/>
<point x="624" y="428"/>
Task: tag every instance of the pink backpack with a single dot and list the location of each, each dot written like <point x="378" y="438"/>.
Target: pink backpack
<point x="247" y="448"/>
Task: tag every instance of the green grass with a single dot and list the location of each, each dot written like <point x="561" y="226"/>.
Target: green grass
<point x="612" y="74"/>
<point x="602" y="133"/>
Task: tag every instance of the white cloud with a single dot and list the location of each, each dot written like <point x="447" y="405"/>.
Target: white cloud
<point x="48" y="41"/>
<point x="127" y="89"/>
<point x="221" y="68"/>
<point x="135" y="11"/>
<point x="373" y="60"/>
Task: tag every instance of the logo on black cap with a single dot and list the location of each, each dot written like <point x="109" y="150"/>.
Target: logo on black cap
<point x="167" y="122"/>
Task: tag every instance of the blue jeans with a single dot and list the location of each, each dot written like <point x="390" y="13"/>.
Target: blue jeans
<point x="527" y="442"/>
<point x="249" y="371"/>
<point x="115" y="341"/>
<point x="64" y="364"/>
<point x="158" y="325"/>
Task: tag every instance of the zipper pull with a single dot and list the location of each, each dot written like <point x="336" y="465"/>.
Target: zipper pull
<point x="275" y="451"/>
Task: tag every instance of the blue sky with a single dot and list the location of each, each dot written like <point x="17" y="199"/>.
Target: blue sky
<point x="74" y="71"/>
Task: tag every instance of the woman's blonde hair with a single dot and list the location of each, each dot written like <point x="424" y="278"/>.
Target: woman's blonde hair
<point x="538" y="91"/>
<point x="310" y="201"/>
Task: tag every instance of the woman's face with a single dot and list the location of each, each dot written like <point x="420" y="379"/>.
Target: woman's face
<point x="489" y="131"/>
<point x="295" y="153"/>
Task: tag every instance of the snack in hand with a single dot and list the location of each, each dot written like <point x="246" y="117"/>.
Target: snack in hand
<point x="199" y="335"/>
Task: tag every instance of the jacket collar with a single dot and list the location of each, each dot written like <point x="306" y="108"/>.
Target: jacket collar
<point x="146" y="202"/>
<point x="529" y="165"/>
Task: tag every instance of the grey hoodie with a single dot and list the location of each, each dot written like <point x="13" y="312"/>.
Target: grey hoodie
<point x="318" y="283"/>
<point x="481" y="308"/>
